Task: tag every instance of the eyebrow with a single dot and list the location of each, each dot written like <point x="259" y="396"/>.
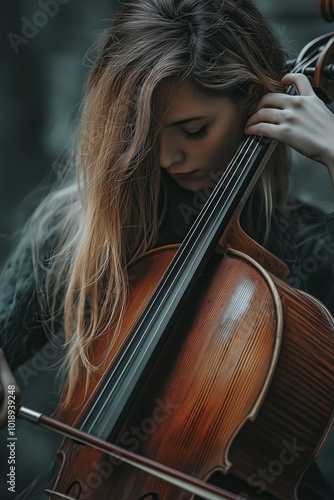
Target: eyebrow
<point x="186" y="120"/>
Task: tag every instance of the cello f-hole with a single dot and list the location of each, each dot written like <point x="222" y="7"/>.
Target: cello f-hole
<point x="77" y="492"/>
<point x="150" y="496"/>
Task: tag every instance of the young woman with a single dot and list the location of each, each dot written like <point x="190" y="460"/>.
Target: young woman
<point x="176" y="85"/>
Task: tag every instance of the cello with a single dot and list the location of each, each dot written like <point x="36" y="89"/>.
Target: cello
<point x="225" y="399"/>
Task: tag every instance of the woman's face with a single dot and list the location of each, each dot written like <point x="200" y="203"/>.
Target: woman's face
<point x="199" y="135"/>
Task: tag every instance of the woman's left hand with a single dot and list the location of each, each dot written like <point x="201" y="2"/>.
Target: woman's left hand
<point x="301" y="121"/>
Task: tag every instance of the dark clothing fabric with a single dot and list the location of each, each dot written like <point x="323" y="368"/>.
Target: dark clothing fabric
<point x="305" y="243"/>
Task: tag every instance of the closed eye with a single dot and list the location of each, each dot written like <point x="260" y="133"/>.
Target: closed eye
<point x="196" y="136"/>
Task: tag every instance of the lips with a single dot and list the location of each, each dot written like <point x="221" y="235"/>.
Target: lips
<point x="182" y="174"/>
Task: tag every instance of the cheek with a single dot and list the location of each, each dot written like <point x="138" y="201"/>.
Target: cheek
<point x="225" y="142"/>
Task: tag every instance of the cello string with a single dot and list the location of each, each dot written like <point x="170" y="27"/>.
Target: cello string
<point x="115" y="381"/>
<point x="242" y="152"/>
<point x="137" y="342"/>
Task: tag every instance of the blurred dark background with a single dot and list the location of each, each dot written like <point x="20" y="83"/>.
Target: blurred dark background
<point x="42" y="79"/>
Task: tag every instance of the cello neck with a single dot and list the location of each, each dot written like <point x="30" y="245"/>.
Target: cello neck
<point x="150" y="334"/>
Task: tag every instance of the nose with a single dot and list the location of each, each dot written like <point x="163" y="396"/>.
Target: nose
<point x="170" y="154"/>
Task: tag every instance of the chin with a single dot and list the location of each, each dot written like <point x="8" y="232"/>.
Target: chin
<point x="194" y="184"/>
<point x="191" y="186"/>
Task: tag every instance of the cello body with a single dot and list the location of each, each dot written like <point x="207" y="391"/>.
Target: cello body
<point x="241" y="395"/>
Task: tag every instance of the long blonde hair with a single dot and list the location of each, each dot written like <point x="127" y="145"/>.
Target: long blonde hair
<point x="110" y="215"/>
